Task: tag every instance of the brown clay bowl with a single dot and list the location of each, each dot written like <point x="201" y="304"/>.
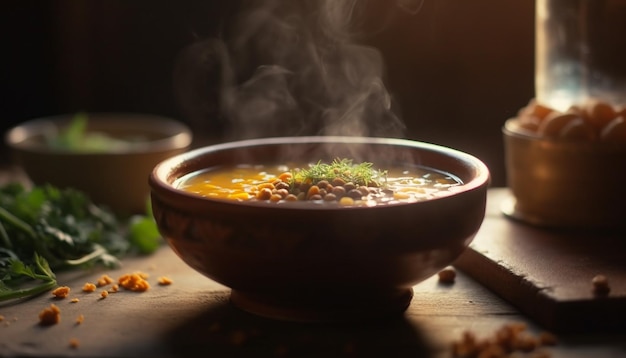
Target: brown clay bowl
<point x="115" y="177"/>
<point x="320" y="263"/>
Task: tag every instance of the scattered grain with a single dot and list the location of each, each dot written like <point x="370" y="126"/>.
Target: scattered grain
<point x="164" y="281"/>
<point x="104" y="280"/>
<point x="104" y="294"/>
<point x="134" y="282"/>
<point x="447" y="275"/>
<point x="89" y="287"/>
<point x="74" y="300"/>
<point x="80" y="319"/>
<point x="74" y="343"/>
<point x="600" y="285"/>
<point x="49" y="316"/>
<point x="61" y="292"/>
<point x="508" y="340"/>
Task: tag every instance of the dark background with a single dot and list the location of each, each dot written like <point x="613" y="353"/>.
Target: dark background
<point x="457" y="69"/>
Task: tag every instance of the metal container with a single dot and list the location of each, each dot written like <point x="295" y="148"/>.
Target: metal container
<point x="564" y="183"/>
<point x="580" y="51"/>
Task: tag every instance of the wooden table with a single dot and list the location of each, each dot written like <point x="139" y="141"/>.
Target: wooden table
<point x="193" y="317"/>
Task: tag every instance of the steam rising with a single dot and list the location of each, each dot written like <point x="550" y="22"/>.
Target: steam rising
<point x="291" y="68"/>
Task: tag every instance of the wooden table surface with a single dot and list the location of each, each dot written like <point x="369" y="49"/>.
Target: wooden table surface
<point x="193" y="317"/>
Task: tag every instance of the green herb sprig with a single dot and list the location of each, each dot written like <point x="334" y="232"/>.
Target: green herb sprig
<point x="342" y="168"/>
<point x="15" y="272"/>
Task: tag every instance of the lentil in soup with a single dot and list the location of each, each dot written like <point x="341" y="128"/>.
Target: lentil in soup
<point x="337" y="183"/>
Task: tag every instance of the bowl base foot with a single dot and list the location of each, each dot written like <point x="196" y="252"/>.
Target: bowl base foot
<point x="331" y="307"/>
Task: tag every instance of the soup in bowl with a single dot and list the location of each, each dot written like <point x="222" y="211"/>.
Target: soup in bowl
<point x="320" y="228"/>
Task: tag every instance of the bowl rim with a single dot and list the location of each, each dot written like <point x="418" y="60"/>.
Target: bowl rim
<point x="161" y="173"/>
<point x="510" y="129"/>
<point x="177" y="135"/>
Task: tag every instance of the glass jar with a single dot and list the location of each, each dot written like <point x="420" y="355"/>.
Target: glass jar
<point x="580" y="52"/>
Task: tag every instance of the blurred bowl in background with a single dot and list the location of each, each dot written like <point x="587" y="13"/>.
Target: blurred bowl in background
<point x="111" y="165"/>
<point x="568" y="184"/>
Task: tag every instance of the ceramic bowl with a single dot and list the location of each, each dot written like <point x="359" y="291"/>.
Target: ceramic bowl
<point x="564" y="184"/>
<point x="117" y="178"/>
<point x="319" y="263"/>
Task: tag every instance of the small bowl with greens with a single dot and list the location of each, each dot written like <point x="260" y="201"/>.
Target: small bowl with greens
<point x="109" y="156"/>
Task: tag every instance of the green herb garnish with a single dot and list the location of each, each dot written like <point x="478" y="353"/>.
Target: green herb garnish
<point x="14" y="274"/>
<point x="344" y="169"/>
<point x="76" y="137"/>
<point x="47" y="228"/>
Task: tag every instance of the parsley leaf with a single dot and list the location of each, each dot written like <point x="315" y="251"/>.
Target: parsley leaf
<point x="46" y="228"/>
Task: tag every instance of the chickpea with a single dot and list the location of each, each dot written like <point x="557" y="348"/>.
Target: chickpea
<point x="447" y="275"/>
<point x="339" y="191"/>
<point x="600" y="285"/>
<point x="313" y="190"/>
<point x="530" y="123"/>
<point x="285" y="177"/>
<point x="264" y="194"/>
<point x="266" y="185"/>
<point x="338" y="182"/>
<point x="554" y="123"/>
<point x="282" y="193"/>
<point x="304" y="187"/>
<point x="576" y="109"/>
<point x="322" y="184"/>
<point x="578" y="129"/>
<point x="615" y="130"/>
<point x="540" y="111"/>
<point x="349" y="186"/>
<point x="355" y="194"/>
<point x="598" y="113"/>
<point x="346" y="201"/>
<point x="534" y="109"/>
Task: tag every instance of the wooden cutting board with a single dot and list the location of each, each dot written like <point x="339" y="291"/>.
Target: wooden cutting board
<point x="547" y="273"/>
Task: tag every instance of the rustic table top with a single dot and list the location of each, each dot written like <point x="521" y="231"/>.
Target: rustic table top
<point x="193" y="316"/>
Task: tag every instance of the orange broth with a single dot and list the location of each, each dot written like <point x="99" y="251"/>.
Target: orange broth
<point x="246" y="182"/>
